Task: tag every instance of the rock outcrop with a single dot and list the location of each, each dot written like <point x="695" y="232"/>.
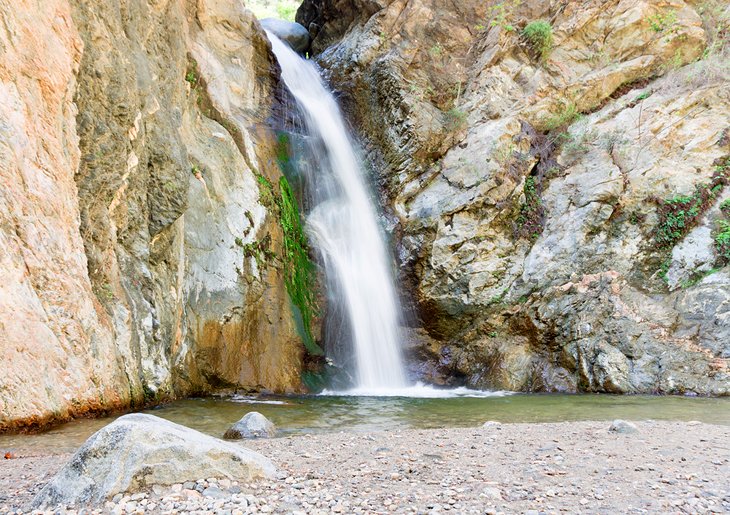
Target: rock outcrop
<point x="139" y="451"/>
<point x="134" y="142"/>
<point x="558" y="206"/>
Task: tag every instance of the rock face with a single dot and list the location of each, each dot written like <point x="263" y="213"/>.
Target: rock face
<point x="557" y="212"/>
<point x="293" y="33"/>
<point x="138" y="451"/>
<point x="252" y="425"/>
<point x="131" y="224"/>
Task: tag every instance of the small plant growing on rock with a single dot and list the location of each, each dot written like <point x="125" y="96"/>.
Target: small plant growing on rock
<point x="722" y="242"/>
<point x="661" y="22"/>
<point x="530" y="219"/>
<point x="679" y="214"/>
<point x="498" y="13"/>
<point x="455" y="119"/>
<point x="567" y="114"/>
<point x="539" y="35"/>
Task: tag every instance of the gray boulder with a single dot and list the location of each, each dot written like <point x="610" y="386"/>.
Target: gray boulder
<point x="622" y="426"/>
<point x="253" y="425"/>
<point x="138" y="451"/>
<point x="293" y="33"/>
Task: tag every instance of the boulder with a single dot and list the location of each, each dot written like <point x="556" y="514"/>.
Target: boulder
<point x="622" y="426"/>
<point x="253" y="425"/>
<point x="296" y="35"/>
<point x="138" y="451"/>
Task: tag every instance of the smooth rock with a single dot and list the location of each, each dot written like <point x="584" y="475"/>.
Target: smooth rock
<point x="252" y="425"/>
<point x="622" y="426"/>
<point x="138" y="451"/>
<point x="293" y="33"/>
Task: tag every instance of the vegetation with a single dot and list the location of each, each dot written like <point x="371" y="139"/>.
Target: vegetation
<point x="299" y="271"/>
<point x="455" y="119"/>
<point x="498" y="14"/>
<point x="539" y="35"/>
<point x="284" y="9"/>
<point x="662" y="21"/>
<point x="679" y="214"/>
<point x="300" y="274"/>
<point x="567" y="114"/>
<point x="532" y="211"/>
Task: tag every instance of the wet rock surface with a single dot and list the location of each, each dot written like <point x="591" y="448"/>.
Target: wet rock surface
<point x="507" y="468"/>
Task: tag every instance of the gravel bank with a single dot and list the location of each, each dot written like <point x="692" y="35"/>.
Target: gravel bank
<point x="511" y="468"/>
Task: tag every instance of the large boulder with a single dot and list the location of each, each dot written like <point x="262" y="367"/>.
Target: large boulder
<point x="293" y="33"/>
<point x="138" y="451"/>
<point x="252" y="425"/>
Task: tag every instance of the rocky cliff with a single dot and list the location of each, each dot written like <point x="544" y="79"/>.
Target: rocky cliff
<point x="134" y="141"/>
<point x="557" y="175"/>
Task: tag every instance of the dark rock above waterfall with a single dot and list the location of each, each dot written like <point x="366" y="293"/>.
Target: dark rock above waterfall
<point x="142" y="450"/>
<point x="293" y="33"/>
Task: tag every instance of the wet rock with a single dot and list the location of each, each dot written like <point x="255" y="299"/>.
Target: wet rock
<point x="622" y="426"/>
<point x="138" y="451"/>
<point x="293" y="33"/>
<point x="252" y="425"/>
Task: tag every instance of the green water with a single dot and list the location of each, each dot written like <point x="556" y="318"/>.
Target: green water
<point x="298" y="415"/>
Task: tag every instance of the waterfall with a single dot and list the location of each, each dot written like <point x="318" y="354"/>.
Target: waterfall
<point x="342" y="225"/>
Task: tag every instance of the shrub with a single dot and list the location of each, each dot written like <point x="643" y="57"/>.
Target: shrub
<point x="539" y="35"/>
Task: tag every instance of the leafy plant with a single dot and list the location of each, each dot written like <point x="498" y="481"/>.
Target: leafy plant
<point x="498" y="13"/>
<point x="539" y="35"/>
<point x="661" y="22"/>
<point x="722" y="241"/>
<point x="679" y="214"/>
<point x="532" y="211"/>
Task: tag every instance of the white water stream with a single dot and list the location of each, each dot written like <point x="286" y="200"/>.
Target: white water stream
<point x="342" y="225"/>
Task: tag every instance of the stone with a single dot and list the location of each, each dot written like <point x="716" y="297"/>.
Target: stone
<point x="252" y="425"/>
<point x="622" y="426"/>
<point x="137" y="451"/>
<point x="293" y="33"/>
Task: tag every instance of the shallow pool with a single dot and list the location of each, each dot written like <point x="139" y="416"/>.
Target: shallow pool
<point x="308" y="414"/>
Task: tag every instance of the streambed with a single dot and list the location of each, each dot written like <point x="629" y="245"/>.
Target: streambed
<point x="327" y="414"/>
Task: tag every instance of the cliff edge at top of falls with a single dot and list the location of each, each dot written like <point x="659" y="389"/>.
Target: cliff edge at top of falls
<point x="556" y="175"/>
<point x="133" y="143"/>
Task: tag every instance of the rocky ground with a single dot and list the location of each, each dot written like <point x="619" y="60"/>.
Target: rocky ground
<point x="511" y="468"/>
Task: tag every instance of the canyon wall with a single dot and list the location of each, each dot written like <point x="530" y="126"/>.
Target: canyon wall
<point x="134" y="140"/>
<point x="560" y="204"/>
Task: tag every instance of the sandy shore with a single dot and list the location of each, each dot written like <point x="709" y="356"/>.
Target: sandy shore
<point x="510" y="468"/>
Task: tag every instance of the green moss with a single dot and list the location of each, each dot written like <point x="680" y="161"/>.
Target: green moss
<point x="539" y="35"/>
<point x="299" y="271"/>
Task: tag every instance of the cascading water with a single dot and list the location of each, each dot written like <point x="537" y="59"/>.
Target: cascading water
<point x="342" y="224"/>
